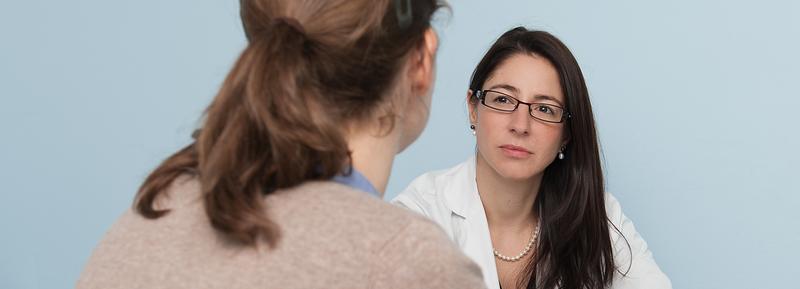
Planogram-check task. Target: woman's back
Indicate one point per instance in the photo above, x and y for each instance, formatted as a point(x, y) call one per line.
point(332, 236)
point(323, 91)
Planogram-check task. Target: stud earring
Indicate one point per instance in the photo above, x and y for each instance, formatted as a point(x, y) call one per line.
point(472, 128)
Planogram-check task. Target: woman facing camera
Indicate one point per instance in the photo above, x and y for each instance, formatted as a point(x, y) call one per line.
point(530, 206)
point(281, 187)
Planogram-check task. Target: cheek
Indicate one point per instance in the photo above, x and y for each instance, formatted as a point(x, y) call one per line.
point(413, 121)
point(548, 138)
point(488, 130)
point(551, 136)
point(413, 126)
point(544, 139)
point(419, 112)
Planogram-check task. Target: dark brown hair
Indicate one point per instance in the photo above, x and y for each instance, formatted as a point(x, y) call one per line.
point(310, 68)
point(574, 249)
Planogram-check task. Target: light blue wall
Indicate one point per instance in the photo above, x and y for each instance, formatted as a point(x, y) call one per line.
point(695, 101)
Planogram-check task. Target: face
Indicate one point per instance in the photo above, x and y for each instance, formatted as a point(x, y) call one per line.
point(514, 144)
point(420, 79)
point(415, 119)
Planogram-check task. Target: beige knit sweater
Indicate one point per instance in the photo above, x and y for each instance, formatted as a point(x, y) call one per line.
point(332, 236)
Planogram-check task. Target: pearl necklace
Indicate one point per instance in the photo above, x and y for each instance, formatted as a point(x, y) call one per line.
point(524, 252)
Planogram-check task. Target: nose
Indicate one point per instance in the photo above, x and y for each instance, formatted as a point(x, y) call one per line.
point(520, 121)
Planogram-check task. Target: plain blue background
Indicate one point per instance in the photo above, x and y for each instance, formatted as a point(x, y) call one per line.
point(696, 104)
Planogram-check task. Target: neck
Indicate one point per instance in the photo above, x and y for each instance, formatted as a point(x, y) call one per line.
point(508, 203)
point(372, 156)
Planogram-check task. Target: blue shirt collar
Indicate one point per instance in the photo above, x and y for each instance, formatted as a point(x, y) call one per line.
point(357, 181)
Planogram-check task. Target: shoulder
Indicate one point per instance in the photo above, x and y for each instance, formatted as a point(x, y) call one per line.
point(334, 200)
point(421, 256)
point(632, 255)
point(429, 183)
point(431, 188)
point(342, 212)
point(126, 250)
point(621, 228)
point(613, 208)
point(405, 249)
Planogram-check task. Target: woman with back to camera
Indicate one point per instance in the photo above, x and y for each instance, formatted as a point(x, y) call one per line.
point(281, 188)
point(530, 206)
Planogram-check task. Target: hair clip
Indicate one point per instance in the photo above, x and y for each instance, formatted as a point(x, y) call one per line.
point(403, 10)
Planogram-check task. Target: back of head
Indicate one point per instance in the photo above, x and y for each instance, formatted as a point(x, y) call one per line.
point(310, 69)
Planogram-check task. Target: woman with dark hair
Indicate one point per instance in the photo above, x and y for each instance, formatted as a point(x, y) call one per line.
point(282, 186)
point(530, 206)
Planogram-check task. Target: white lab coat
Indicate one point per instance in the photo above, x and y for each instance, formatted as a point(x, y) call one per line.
point(450, 198)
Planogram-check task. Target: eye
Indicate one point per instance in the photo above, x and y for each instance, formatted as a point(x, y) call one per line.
point(545, 109)
point(501, 99)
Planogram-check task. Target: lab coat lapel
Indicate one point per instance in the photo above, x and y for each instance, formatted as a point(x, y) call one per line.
point(472, 233)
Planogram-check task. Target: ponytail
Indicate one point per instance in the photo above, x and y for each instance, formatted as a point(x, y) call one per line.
point(280, 116)
point(244, 151)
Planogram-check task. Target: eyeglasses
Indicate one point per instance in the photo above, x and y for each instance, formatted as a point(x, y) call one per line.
point(505, 103)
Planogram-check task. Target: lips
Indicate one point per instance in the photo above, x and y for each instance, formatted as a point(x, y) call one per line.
point(515, 151)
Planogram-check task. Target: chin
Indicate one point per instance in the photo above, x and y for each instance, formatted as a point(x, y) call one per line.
point(514, 170)
point(515, 175)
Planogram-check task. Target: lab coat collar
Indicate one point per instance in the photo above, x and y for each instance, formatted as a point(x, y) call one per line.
point(462, 198)
point(462, 193)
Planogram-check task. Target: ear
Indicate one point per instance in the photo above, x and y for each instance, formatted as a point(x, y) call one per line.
point(472, 107)
point(422, 67)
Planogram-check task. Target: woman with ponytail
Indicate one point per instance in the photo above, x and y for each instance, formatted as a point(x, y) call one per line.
point(281, 186)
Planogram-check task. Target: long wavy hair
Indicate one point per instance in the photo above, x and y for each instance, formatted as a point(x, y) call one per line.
point(574, 249)
point(309, 69)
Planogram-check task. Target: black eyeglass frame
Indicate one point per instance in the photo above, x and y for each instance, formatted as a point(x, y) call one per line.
point(481, 94)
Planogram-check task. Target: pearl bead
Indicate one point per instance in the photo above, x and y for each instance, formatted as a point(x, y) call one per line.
point(524, 252)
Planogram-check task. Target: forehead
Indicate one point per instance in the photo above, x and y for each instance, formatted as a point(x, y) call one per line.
point(531, 74)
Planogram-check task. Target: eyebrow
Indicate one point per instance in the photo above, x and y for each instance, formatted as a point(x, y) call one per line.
point(547, 97)
point(515, 90)
point(506, 87)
